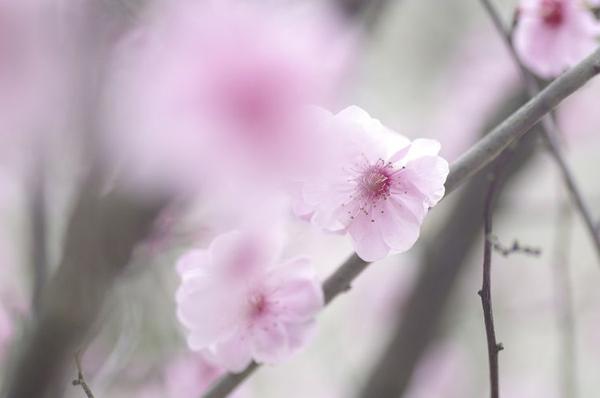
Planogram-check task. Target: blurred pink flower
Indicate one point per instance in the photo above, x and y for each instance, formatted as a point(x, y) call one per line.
point(552, 35)
point(240, 303)
point(218, 86)
point(378, 188)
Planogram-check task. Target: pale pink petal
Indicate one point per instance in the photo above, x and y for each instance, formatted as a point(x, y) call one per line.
point(367, 239)
point(428, 174)
point(232, 353)
point(207, 308)
point(299, 334)
point(296, 295)
point(269, 342)
point(399, 226)
point(192, 260)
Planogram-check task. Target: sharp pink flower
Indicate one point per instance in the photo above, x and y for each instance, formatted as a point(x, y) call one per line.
point(240, 303)
point(379, 186)
point(552, 35)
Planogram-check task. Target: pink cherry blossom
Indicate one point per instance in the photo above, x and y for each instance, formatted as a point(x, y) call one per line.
point(379, 186)
point(220, 85)
point(552, 35)
point(239, 302)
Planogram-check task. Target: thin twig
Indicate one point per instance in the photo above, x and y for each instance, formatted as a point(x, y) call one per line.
point(516, 247)
point(463, 169)
point(80, 380)
point(486, 290)
point(550, 130)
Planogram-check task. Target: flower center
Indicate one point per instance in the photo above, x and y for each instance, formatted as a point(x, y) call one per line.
point(375, 182)
point(552, 12)
point(258, 304)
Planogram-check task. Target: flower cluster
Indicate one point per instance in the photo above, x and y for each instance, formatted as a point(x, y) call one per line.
point(552, 35)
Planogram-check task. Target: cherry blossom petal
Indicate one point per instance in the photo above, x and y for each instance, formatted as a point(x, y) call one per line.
point(367, 239)
point(269, 342)
point(232, 353)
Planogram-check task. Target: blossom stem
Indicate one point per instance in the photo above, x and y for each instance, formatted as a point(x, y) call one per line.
point(462, 170)
point(549, 128)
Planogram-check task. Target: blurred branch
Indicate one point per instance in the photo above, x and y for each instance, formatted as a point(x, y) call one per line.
point(102, 234)
point(80, 380)
point(486, 286)
point(550, 130)
point(369, 11)
point(564, 302)
point(445, 255)
point(472, 161)
point(38, 246)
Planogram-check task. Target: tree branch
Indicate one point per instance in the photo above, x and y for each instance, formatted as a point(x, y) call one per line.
point(550, 130)
point(101, 236)
point(80, 380)
point(470, 163)
point(38, 246)
point(486, 287)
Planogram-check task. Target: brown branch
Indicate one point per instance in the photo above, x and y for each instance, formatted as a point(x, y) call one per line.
point(486, 288)
point(80, 380)
point(550, 130)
